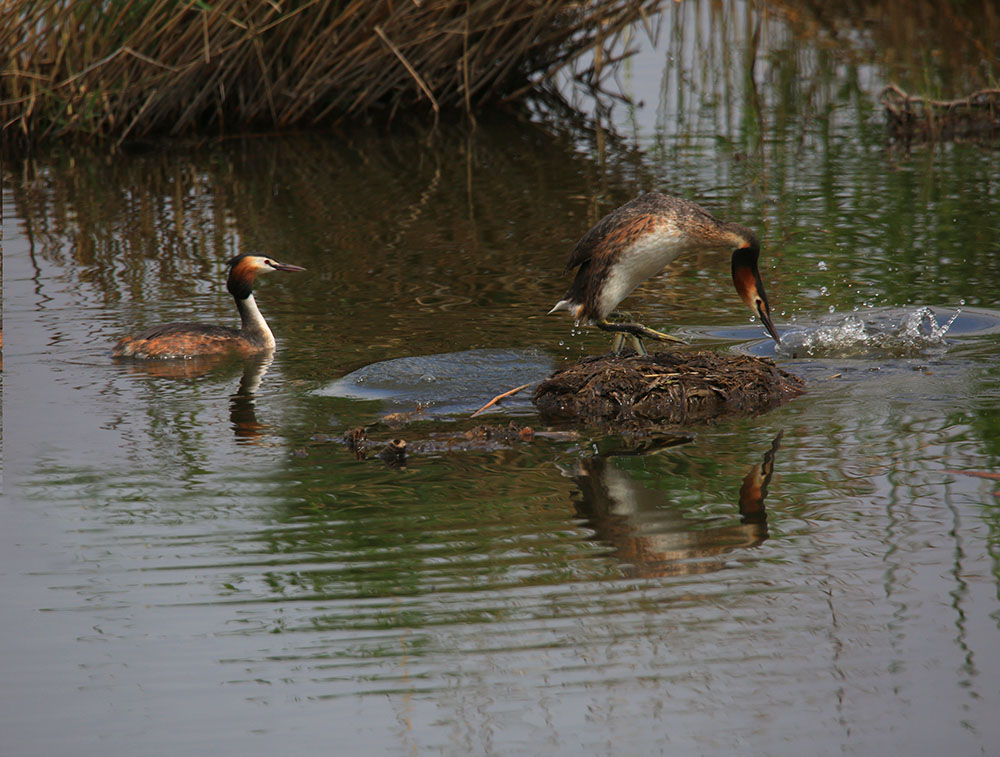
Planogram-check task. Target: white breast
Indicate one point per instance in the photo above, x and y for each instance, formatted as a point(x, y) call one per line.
point(645, 257)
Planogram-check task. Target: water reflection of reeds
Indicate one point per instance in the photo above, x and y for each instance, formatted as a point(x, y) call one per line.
point(407, 226)
point(948, 48)
point(412, 235)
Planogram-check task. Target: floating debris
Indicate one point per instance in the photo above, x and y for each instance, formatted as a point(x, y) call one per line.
point(356, 440)
point(393, 454)
point(922, 118)
point(676, 387)
point(398, 420)
point(508, 434)
point(482, 438)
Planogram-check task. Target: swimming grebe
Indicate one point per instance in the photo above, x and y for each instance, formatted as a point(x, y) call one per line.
point(637, 240)
point(175, 340)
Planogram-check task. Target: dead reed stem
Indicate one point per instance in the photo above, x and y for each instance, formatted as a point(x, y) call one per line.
point(142, 67)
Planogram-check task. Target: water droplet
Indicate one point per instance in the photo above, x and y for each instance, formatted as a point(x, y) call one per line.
point(821, 265)
point(824, 291)
point(832, 308)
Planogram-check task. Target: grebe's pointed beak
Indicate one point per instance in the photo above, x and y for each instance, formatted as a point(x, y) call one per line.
point(284, 266)
point(765, 317)
point(746, 277)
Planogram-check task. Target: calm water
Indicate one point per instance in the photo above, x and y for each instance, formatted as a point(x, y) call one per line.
point(192, 560)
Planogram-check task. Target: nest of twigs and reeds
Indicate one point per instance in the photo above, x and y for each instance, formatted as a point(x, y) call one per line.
point(142, 67)
point(667, 388)
point(914, 117)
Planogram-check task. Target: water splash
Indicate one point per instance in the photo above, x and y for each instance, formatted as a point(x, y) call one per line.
point(884, 333)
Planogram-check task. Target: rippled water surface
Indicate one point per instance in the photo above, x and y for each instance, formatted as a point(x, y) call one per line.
point(194, 561)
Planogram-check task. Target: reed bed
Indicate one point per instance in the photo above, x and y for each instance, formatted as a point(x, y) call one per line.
point(132, 68)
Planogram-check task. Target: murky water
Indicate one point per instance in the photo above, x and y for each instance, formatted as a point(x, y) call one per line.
point(193, 560)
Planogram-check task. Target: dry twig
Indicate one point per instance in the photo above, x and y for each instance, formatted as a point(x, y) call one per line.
point(499, 397)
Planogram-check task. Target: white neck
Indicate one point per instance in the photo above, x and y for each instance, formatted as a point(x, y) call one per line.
point(254, 326)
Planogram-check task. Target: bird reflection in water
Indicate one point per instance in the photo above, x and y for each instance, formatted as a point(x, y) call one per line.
point(242, 404)
point(654, 540)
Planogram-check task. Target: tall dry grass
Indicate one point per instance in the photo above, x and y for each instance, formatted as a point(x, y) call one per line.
point(121, 68)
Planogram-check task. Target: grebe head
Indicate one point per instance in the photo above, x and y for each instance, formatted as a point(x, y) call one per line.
point(243, 270)
point(747, 280)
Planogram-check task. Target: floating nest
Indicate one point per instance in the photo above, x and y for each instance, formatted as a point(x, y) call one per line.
point(671, 388)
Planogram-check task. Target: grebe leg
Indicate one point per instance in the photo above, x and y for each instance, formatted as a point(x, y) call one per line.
point(618, 344)
point(640, 348)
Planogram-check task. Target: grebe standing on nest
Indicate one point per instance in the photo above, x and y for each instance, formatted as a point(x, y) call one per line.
point(177, 340)
point(637, 240)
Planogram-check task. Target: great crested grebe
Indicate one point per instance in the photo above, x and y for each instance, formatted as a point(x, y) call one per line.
point(176, 340)
point(637, 240)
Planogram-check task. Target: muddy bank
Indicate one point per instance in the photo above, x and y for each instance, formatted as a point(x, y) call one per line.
point(675, 388)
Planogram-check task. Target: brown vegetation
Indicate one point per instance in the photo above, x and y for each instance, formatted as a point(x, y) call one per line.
point(917, 117)
point(138, 67)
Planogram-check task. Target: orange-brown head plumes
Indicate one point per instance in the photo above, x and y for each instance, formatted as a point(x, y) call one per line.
point(746, 277)
point(243, 270)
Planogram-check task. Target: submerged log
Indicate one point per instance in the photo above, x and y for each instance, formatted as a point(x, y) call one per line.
point(676, 387)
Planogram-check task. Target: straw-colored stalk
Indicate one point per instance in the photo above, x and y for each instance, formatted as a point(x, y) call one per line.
point(139, 67)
